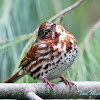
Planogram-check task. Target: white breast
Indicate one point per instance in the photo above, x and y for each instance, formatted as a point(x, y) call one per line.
point(65, 61)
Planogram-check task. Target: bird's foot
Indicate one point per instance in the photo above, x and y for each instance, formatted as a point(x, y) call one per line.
point(66, 81)
point(49, 83)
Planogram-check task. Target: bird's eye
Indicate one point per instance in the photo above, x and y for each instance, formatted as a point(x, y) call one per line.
point(45, 32)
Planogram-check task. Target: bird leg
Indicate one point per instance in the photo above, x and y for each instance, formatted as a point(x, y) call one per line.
point(49, 83)
point(66, 81)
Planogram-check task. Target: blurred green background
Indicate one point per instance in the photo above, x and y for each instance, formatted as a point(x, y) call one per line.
point(19, 18)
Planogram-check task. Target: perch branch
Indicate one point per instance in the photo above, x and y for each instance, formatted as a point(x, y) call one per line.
point(33, 91)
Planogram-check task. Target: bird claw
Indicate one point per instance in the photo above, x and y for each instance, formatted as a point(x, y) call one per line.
point(66, 81)
point(49, 83)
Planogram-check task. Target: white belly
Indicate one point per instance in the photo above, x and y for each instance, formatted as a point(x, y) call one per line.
point(57, 69)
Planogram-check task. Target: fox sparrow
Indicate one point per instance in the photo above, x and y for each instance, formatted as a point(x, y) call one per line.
point(53, 52)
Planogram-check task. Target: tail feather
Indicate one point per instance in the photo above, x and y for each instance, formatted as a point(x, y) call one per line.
point(13, 78)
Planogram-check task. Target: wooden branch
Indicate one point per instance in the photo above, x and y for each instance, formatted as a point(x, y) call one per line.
point(86, 90)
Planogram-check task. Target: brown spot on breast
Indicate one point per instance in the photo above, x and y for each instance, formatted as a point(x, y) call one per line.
point(57, 35)
point(59, 53)
point(56, 41)
point(69, 44)
point(46, 72)
point(51, 50)
point(62, 63)
point(38, 76)
point(69, 49)
point(53, 64)
point(46, 67)
point(42, 74)
point(60, 57)
point(45, 60)
point(52, 57)
point(40, 61)
point(35, 71)
point(75, 50)
point(44, 54)
point(35, 64)
point(65, 54)
point(31, 67)
point(58, 61)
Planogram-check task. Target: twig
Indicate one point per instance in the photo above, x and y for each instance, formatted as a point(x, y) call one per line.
point(66, 10)
point(60, 20)
point(55, 17)
point(83, 90)
point(91, 32)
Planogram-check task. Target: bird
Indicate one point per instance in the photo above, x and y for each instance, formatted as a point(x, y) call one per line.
point(53, 52)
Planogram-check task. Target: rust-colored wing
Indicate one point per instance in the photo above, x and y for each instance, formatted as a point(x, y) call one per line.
point(30, 56)
point(38, 49)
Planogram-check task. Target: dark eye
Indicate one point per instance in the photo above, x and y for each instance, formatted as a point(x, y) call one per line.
point(46, 32)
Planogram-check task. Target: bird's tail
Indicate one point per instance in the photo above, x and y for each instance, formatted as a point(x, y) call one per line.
point(14, 77)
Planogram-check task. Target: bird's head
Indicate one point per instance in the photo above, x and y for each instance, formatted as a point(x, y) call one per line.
point(49, 30)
